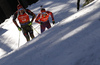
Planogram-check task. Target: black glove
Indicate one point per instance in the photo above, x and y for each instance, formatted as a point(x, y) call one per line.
point(53, 22)
point(41, 23)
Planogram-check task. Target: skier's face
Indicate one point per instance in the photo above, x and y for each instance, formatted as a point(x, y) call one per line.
point(44, 14)
point(21, 11)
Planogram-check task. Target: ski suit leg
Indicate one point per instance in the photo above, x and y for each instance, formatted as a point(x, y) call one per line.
point(25, 32)
point(31, 34)
point(47, 24)
point(30, 30)
point(42, 27)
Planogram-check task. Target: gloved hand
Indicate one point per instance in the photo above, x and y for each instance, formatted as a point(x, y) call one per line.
point(19, 28)
point(53, 22)
point(30, 24)
point(41, 23)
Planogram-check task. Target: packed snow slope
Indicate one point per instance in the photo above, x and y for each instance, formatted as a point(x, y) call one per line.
point(75, 40)
point(11, 38)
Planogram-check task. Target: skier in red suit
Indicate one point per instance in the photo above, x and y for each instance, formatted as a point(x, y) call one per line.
point(43, 19)
point(25, 24)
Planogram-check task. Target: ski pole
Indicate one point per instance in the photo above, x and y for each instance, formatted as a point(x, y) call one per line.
point(37, 26)
point(36, 30)
point(19, 39)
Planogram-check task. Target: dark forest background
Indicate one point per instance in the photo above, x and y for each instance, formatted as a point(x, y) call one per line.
point(8, 7)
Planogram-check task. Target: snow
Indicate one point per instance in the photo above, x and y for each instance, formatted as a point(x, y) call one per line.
point(73, 40)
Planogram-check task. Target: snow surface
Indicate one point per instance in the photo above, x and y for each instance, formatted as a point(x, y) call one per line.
point(73, 40)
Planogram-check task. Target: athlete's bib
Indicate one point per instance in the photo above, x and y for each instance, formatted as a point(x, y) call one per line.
point(23, 18)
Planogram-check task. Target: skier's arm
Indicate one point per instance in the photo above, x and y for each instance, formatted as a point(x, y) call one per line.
point(50, 13)
point(14, 19)
point(31, 13)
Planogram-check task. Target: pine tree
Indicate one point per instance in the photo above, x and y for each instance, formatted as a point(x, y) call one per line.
point(87, 2)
